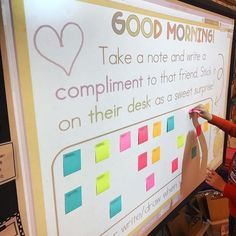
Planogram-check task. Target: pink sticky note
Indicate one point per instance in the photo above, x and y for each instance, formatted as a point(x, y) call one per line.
point(142, 161)
point(175, 165)
point(150, 181)
point(198, 130)
point(142, 134)
point(125, 141)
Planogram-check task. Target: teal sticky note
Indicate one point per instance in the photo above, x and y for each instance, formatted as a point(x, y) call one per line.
point(115, 206)
point(170, 123)
point(73, 200)
point(194, 152)
point(71, 162)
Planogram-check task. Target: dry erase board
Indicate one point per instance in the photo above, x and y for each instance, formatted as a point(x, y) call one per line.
point(109, 85)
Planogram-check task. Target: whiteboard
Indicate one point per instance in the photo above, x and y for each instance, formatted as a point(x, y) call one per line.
point(112, 83)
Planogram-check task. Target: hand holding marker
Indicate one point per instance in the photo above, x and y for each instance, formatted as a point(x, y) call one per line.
point(212, 178)
point(201, 111)
point(194, 110)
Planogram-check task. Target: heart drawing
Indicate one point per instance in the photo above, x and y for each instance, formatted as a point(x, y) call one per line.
point(63, 47)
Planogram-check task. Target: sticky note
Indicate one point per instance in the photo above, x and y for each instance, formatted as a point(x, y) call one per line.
point(194, 152)
point(125, 141)
point(198, 130)
point(103, 182)
point(156, 155)
point(174, 165)
point(142, 161)
point(205, 126)
point(115, 206)
point(207, 106)
point(73, 200)
point(150, 181)
point(71, 162)
point(142, 134)
point(170, 123)
point(156, 129)
point(102, 151)
point(180, 141)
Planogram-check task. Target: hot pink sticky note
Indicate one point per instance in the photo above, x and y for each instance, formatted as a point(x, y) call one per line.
point(198, 130)
point(125, 141)
point(142, 161)
point(175, 165)
point(142, 134)
point(150, 181)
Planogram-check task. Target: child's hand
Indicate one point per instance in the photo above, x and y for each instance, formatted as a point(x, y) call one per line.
point(194, 117)
point(203, 112)
point(215, 180)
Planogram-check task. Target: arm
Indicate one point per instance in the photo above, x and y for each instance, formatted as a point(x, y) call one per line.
point(230, 187)
point(216, 181)
point(202, 142)
point(225, 125)
point(230, 191)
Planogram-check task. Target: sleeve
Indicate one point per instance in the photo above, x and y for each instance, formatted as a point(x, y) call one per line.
point(225, 125)
point(230, 191)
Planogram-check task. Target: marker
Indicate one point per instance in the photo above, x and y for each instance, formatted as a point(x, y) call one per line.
point(194, 110)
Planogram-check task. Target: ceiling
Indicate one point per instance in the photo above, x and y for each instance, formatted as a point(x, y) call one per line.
point(227, 3)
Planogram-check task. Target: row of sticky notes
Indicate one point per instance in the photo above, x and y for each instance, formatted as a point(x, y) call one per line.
point(143, 131)
point(72, 160)
point(103, 148)
point(103, 181)
point(142, 158)
point(73, 200)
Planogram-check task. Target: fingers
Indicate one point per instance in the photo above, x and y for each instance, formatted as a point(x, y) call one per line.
point(194, 116)
point(215, 180)
point(197, 111)
point(211, 176)
point(211, 172)
point(200, 107)
point(203, 112)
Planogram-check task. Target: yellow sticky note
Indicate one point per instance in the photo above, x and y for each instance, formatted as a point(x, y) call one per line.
point(156, 129)
point(207, 106)
point(103, 182)
point(156, 155)
point(180, 141)
point(102, 151)
point(205, 126)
